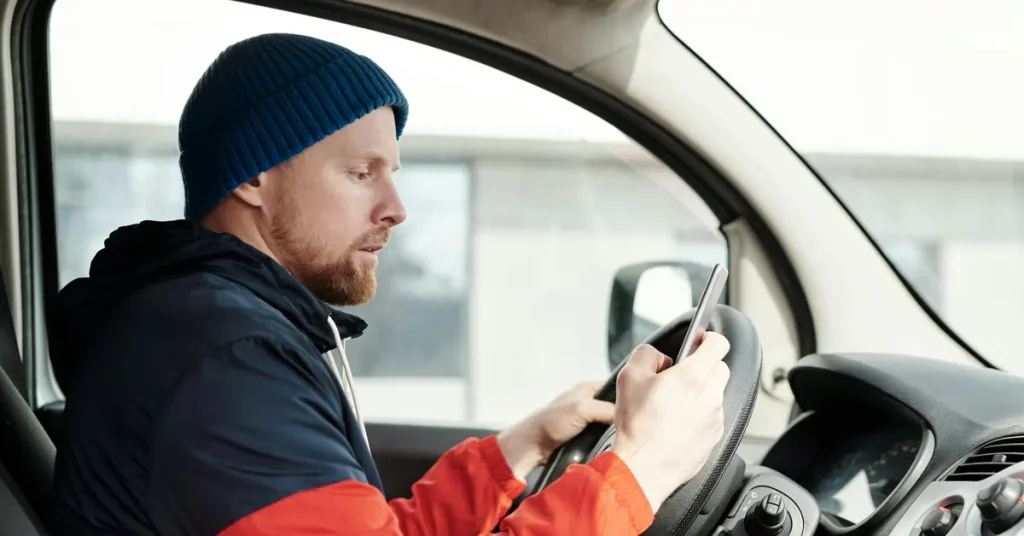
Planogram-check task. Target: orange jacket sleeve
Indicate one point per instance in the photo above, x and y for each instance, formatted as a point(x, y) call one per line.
point(466, 492)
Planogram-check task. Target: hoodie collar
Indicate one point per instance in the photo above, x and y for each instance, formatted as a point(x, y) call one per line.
point(140, 255)
point(272, 283)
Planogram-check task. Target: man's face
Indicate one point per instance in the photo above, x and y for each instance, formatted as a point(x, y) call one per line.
point(332, 207)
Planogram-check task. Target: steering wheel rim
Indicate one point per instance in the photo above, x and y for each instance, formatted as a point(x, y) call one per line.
point(679, 511)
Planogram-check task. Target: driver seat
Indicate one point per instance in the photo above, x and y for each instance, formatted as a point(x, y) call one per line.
point(26, 452)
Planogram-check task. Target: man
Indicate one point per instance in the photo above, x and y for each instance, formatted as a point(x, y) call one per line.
point(207, 382)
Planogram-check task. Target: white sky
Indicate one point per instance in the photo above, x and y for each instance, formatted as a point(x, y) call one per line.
point(886, 76)
point(939, 77)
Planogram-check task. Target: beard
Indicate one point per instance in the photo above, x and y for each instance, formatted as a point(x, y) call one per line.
point(338, 278)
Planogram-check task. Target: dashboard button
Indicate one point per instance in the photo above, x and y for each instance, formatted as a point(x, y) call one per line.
point(937, 522)
point(768, 517)
point(1001, 505)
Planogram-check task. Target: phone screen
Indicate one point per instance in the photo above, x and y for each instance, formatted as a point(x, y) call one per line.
point(705, 309)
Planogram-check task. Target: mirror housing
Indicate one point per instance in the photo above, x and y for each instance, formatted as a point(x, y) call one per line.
point(666, 289)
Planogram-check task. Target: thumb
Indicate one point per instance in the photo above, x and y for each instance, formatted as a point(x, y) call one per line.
point(646, 360)
point(594, 410)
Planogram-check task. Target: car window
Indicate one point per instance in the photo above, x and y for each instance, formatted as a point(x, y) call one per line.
point(493, 295)
point(911, 112)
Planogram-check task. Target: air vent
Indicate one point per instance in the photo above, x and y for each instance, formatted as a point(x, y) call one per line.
point(988, 460)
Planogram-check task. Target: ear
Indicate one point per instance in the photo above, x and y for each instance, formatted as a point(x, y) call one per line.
point(253, 192)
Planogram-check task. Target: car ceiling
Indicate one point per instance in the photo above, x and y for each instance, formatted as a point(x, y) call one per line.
point(568, 34)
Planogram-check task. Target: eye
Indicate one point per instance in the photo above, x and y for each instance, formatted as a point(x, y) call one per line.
point(361, 175)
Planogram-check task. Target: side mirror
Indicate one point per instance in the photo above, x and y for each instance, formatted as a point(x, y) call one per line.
point(647, 295)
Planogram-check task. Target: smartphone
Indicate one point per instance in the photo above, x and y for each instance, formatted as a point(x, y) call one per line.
point(705, 309)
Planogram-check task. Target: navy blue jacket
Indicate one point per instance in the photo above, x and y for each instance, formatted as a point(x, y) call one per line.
point(174, 353)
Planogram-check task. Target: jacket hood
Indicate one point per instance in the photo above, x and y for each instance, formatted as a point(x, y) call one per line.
point(140, 255)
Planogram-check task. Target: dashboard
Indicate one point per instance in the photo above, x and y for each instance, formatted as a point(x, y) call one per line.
point(850, 463)
point(890, 444)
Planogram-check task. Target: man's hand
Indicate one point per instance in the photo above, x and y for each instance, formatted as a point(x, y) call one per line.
point(669, 419)
point(529, 443)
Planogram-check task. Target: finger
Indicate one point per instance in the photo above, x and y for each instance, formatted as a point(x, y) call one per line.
point(594, 410)
point(719, 378)
point(590, 389)
point(702, 361)
point(580, 391)
point(645, 360)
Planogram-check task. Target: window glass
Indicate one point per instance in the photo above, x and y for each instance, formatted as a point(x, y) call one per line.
point(911, 111)
point(423, 291)
point(493, 295)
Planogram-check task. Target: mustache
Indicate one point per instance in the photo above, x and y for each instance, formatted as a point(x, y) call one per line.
point(374, 238)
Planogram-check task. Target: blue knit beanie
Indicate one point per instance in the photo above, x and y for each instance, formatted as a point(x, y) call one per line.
point(267, 99)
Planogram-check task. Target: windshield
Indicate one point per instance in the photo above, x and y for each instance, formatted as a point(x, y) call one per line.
point(913, 113)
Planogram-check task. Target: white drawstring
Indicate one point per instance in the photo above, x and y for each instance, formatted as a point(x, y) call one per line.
point(345, 375)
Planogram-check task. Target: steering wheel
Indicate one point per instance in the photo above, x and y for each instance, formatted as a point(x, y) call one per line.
point(744, 359)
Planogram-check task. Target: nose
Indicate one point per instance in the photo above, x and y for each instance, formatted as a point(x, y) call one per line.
point(390, 210)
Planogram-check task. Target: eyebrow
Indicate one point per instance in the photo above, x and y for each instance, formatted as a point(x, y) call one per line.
point(374, 156)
